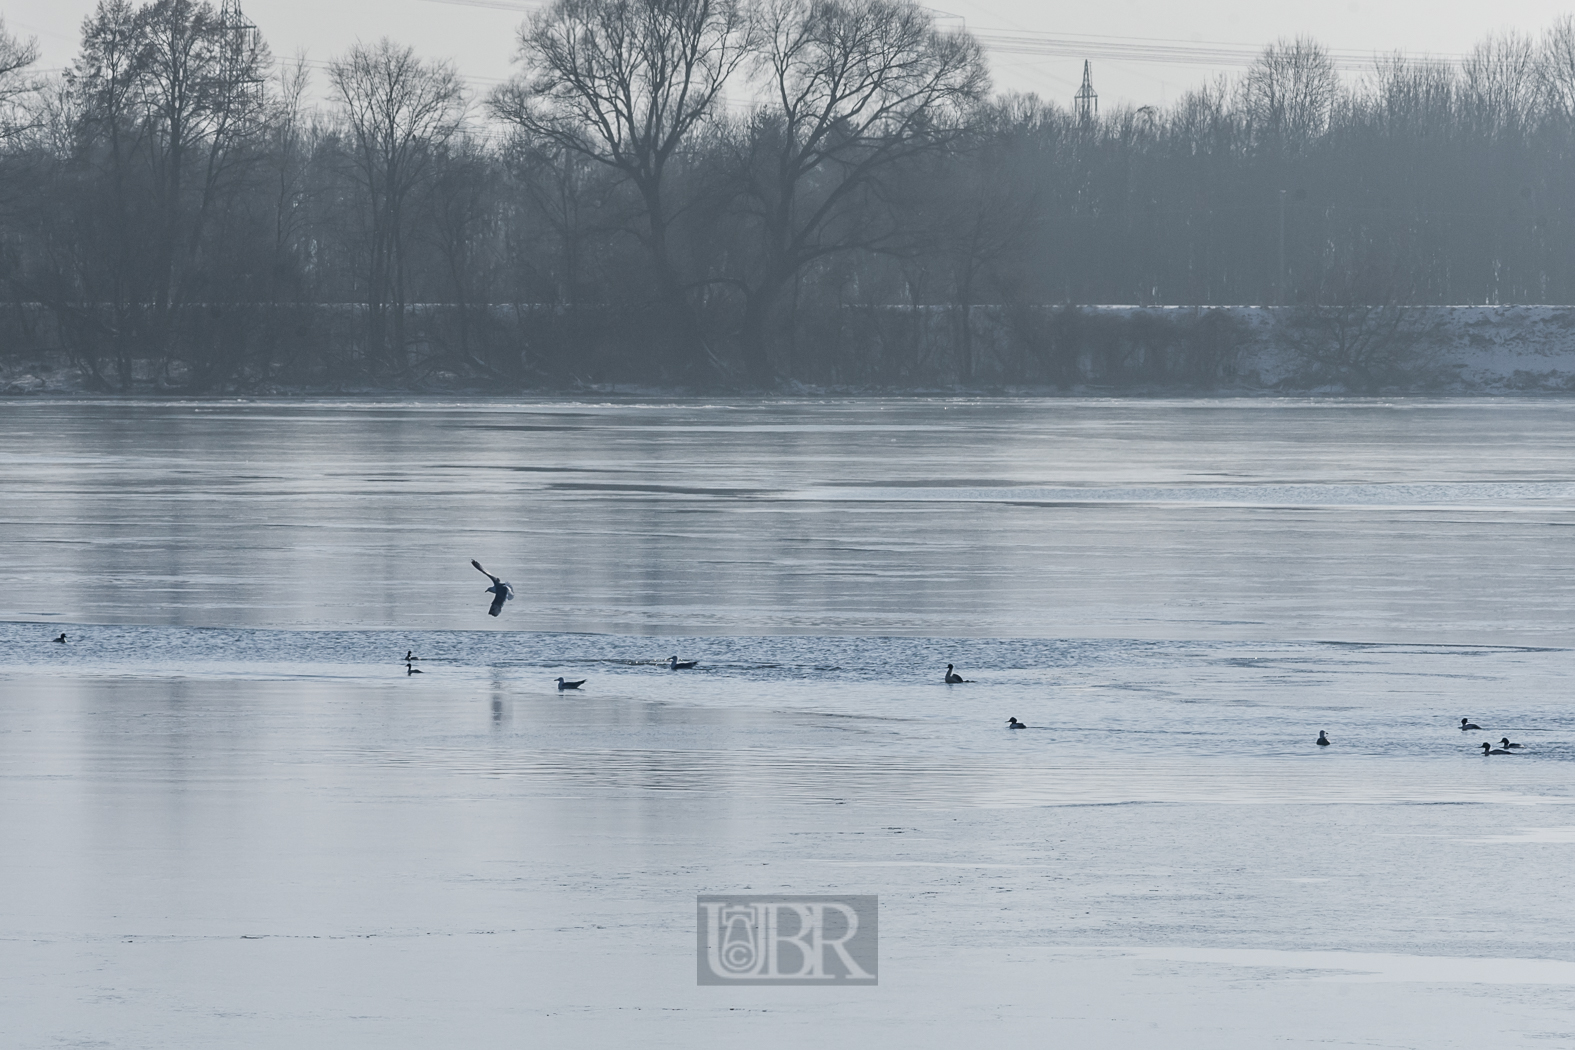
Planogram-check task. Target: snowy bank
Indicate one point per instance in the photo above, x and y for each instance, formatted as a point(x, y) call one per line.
point(1027, 349)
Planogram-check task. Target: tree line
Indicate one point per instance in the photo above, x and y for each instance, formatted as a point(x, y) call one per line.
point(734, 193)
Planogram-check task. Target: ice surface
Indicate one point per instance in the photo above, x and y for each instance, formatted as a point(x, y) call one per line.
point(1436, 521)
point(227, 824)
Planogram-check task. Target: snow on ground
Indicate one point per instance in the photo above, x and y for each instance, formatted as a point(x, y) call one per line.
point(1461, 350)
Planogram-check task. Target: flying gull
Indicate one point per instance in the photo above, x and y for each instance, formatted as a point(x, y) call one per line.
point(500, 591)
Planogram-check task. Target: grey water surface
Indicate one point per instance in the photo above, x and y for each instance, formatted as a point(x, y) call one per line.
point(1363, 521)
point(232, 817)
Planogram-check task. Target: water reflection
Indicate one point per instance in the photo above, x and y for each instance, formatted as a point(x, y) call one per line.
point(1442, 521)
point(498, 707)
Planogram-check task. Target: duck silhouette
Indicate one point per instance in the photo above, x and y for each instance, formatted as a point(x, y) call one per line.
point(412, 670)
point(410, 654)
point(500, 591)
point(675, 664)
point(1466, 723)
point(562, 685)
point(1323, 738)
point(1489, 749)
point(1505, 743)
point(953, 678)
point(62, 638)
point(1013, 723)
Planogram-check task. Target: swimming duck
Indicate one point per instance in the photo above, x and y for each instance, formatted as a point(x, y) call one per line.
point(562, 685)
point(1466, 723)
point(410, 654)
point(952, 678)
point(413, 670)
point(1013, 723)
point(1323, 738)
point(1506, 743)
point(675, 664)
point(500, 591)
point(62, 638)
point(1489, 749)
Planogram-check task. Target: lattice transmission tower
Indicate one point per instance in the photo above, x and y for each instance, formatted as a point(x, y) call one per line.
point(242, 42)
point(1086, 102)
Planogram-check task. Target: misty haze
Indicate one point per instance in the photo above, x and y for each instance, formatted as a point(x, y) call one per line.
point(755, 497)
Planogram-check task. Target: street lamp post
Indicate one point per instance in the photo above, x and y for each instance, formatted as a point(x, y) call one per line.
point(1280, 293)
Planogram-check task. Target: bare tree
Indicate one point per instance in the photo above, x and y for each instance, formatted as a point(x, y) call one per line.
point(1555, 63)
point(980, 206)
point(1499, 85)
point(1289, 92)
point(458, 207)
point(15, 56)
point(100, 105)
point(400, 112)
point(200, 91)
point(17, 117)
point(1360, 346)
point(1359, 331)
point(1405, 98)
point(626, 83)
point(292, 129)
point(854, 87)
point(568, 191)
point(164, 103)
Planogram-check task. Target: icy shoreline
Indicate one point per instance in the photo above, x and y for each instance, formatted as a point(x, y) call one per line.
point(1260, 350)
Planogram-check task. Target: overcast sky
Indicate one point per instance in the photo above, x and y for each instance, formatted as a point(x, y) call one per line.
point(1123, 38)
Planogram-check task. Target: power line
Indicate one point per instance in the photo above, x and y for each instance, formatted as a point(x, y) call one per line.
point(327, 66)
point(1154, 49)
point(1106, 47)
point(521, 6)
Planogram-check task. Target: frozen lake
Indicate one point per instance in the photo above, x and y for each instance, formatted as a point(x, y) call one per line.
point(232, 819)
